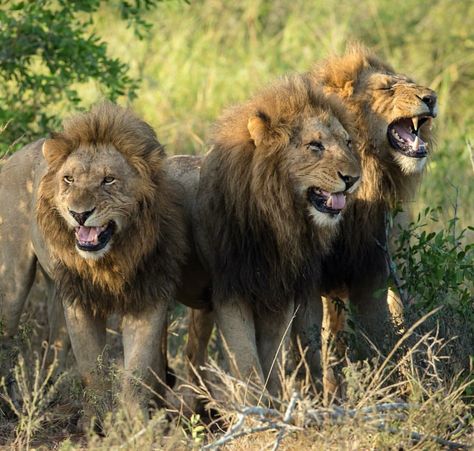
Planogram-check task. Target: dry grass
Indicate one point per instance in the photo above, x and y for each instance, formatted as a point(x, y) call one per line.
point(199, 58)
point(410, 403)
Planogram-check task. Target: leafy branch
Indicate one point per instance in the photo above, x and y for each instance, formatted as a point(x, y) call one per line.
point(47, 49)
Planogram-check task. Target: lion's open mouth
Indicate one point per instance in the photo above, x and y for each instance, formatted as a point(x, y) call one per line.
point(93, 239)
point(331, 203)
point(403, 135)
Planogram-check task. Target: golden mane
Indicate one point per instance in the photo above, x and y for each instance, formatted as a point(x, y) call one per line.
point(345, 76)
point(343, 72)
point(264, 245)
point(357, 249)
point(144, 262)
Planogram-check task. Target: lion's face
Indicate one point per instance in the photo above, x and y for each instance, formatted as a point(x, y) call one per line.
point(321, 165)
point(96, 192)
point(323, 168)
point(400, 115)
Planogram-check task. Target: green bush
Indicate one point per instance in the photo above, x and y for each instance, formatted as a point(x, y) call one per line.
point(437, 267)
point(47, 49)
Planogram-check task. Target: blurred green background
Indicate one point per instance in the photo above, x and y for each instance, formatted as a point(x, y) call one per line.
point(198, 57)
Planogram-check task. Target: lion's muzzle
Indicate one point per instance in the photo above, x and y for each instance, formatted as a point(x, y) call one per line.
point(404, 136)
point(81, 218)
point(404, 133)
point(349, 180)
point(325, 202)
point(92, 239)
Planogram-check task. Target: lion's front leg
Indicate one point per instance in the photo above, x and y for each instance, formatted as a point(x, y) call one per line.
point(235, 319)
point(58, 339)
point(307, 333)
point(144, 358)
point(372, 315)
point(88, 337)
point(273, 333)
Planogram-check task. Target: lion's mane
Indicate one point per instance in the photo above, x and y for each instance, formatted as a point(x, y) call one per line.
point(345, 75)
point(264, 247)
point(143, 265)
point(357, 251)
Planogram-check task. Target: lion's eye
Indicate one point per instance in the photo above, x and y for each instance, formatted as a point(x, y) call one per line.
point(315, 146)
point(68, 179)
point(108, 180)
point(349, 143)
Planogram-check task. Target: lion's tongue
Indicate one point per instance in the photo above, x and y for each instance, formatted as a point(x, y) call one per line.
point(403, 130)
point(336, 201)
point(88, 234)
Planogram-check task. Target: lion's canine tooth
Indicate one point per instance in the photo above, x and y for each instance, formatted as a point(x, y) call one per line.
point(415, 123)
point(416, 143)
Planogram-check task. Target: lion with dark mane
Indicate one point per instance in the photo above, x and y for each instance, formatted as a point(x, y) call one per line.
point(393, 118)
point(94, 208)
point(270, 198)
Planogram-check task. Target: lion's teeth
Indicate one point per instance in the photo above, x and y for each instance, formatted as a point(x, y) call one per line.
point(415, 123)
point(416, 143)
point(394, 133)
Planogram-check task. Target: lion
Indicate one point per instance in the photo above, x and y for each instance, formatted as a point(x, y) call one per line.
point(271, 194)
point(393, 119)
point(94, 209)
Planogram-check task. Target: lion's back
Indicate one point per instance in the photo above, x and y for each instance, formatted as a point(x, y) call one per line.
point(19, 176)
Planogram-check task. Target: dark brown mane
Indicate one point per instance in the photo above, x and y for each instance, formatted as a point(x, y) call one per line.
point(264, 245)
point(143, 264)
point(355, 252)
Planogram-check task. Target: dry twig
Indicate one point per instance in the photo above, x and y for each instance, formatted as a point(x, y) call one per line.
point(375, 416)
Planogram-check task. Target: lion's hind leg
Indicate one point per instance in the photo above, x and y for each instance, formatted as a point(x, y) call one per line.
point(200, 327)
point(16, 279)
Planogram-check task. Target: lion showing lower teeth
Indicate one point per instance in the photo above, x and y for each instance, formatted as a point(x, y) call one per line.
point(406, 137)
point(105, 164)
point(89, 235)
point(393, 122)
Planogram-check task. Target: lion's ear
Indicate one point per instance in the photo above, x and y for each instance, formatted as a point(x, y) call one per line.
point(258, 128)
point(55, 149)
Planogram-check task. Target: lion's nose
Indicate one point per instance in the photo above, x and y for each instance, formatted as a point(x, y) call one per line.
point(81, 217)
point(430, 101)
point(349, 180)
